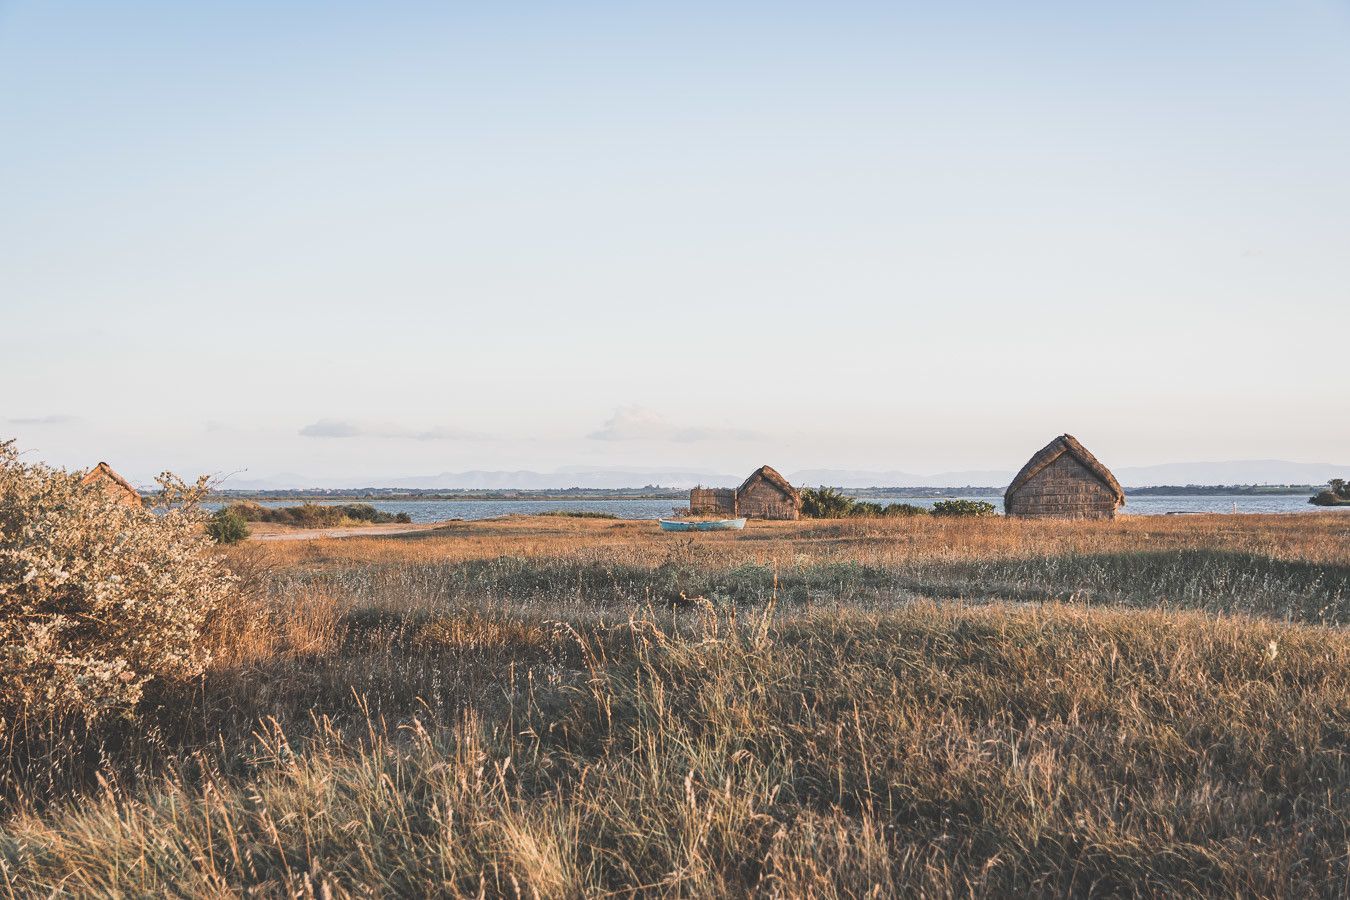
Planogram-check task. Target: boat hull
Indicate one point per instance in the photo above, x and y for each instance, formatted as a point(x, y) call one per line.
point(713, 525)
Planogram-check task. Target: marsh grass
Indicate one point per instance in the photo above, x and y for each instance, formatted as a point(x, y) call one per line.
point(825, 714)
point(1213, 581)
point(933, 749)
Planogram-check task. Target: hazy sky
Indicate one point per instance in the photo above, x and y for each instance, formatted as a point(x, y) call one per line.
point(401, 238)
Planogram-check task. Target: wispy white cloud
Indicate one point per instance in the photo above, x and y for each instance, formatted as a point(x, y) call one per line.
point(346, 428)
point(637, 423)
point(44, 420)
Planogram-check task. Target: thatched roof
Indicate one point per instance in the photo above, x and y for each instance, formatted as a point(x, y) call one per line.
point(1066, 443)
point(111, 480)
point(768, 474)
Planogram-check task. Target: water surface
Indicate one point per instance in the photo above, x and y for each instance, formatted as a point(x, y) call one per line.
point(440, 510)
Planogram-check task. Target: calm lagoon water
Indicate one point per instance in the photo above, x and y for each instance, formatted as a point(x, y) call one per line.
point(439, 510)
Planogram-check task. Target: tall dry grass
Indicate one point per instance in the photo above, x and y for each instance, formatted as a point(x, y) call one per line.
point(568, 708)
point(936, 750)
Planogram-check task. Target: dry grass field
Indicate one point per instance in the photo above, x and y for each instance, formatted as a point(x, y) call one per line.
point(552, 707)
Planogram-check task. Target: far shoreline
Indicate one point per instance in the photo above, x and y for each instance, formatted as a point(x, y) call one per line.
point(388, 495)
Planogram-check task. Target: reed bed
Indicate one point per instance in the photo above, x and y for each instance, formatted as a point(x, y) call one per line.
point(1309, 537)
point(573, 708)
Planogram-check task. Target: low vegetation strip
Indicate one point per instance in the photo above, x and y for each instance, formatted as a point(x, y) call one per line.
point(316, 515)
point(832, 503)
point(1210, 581)
point(934, 749)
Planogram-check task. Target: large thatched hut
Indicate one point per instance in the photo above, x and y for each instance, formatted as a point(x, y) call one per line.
point(767, 495)
point(1064, 481)
point(113, 485)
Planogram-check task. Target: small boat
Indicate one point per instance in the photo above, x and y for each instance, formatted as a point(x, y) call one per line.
point(709, 525)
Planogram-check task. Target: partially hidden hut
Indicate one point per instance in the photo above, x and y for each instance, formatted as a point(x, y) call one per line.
point(764, 495)
point(113, 485)
point(1064, 481)
point(712, 501)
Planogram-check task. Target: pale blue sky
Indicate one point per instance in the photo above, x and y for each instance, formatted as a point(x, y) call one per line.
point(401, 238)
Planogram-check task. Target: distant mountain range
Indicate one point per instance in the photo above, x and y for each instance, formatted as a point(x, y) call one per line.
point(1254, 471)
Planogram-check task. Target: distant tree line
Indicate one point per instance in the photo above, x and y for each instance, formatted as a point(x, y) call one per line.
point(314, 515)
point(1220, 490)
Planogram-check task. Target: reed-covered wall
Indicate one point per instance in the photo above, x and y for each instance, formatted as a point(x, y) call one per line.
point(1063, 480)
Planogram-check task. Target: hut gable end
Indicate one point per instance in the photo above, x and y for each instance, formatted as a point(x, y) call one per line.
point(113, 485)
point(768, 495)
point(1064, 480)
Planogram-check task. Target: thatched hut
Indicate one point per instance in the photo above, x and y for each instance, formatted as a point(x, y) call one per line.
point(113, 485)
point(767, 495)
point(712, 501)
point(1064, 481)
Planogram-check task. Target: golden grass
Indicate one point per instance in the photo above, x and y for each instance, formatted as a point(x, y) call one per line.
point(934, 750)
point(1308, 537)
point(529, 708)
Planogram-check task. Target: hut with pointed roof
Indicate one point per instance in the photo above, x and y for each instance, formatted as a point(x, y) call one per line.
point(1064, 481)
point(767, 495)
point(113, 485)
point(764, 495)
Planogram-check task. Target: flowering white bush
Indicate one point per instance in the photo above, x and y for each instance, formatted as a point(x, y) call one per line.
point(96, 597)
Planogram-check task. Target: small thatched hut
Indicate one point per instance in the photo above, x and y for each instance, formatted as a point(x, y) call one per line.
point(113, 485)
point(767, 495)
point(712, 501)
point(1064, 481)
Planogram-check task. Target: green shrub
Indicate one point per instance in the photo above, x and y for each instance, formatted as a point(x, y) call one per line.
point(825, 503)
point(227, 526)
point(863, 509)
point(963, 508)
point(903, 510)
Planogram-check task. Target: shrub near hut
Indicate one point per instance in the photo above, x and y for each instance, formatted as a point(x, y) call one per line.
point(832, 503)
point(97, 596)
point(959, 508)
